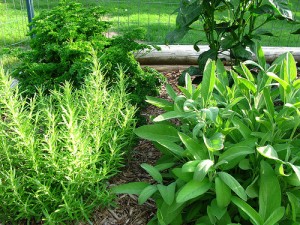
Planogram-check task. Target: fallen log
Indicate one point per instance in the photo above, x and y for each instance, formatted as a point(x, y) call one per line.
point(186, 55)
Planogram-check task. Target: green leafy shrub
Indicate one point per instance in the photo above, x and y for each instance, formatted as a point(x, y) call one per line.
point(58, 151)
point(229, 25)
point(62, 40)
point(233, 155)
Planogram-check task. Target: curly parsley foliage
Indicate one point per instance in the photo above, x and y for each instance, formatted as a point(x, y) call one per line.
point(63, 39)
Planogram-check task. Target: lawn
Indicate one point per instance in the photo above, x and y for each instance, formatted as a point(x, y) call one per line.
point(155, 16)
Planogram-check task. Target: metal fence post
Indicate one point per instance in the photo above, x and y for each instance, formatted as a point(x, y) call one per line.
point(30, 11)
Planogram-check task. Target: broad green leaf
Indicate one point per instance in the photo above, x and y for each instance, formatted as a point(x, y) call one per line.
point(168, 115)
point(247, 73)
point(282, 8)
point(193, 189)
point(293, 180)
point(269, 191)
point(276, 64)
point(234, 102)
point(163, 149)
point(190, 106)
point(221, 73)
point(157, 132)
point(168, 213)
point(284, 76)
point(204, 220)
point(248, 84)
point(153, 221)
point(205, 57)
point(185, 176)
point(255, 217)
point(160, 217)
point(226, 219)
point(196, 149)
point(234, 154)
point(282, 82)
point(243, 129)
point(202, 169)
point(295, 205)
point(215, 142)
point(276, 216)
point(296, 84)
point(268, 152)
point(193, 211)
point(179, 103)
point(297, 104)
point(211, 113)
point(130, 188)
point(197, 130)
point(153, 172)
point(171, 92)
point(216, 210)
point(223, 193)
point(263, 32)
point(244, 164)
point(208, 81)
point(296, 170)
point(146, 194)
point(268, 101)
point(188, 13)
point(239, 52)
point(253, 189)
point(211, 215)
point(233, 184)
point(192, 71)
point(188, 84)
point(263, 136)
point(227, 41)
point(190, 166)
point(185, 92)
point(167, 192)
point(160, 103)
point(164, 166)
point(222, 90)
point(260, 56)
point(172, 147)
point(291, 68)
point(197, 92)
point(251, 62)
point(178, 220)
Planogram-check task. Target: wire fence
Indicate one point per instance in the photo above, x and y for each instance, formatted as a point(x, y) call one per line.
point(154, 15)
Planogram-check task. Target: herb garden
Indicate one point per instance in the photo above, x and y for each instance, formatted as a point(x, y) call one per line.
point(90, 136)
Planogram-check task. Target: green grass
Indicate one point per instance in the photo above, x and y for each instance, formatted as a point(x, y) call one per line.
point(155, 16)
point(13, 24)
point(57, 152)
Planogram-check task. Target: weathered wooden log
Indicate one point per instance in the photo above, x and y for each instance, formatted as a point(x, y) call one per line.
point(167, 68)
point(186, 55)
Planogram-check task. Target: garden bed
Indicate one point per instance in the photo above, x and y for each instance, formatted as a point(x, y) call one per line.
point(127, 210)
